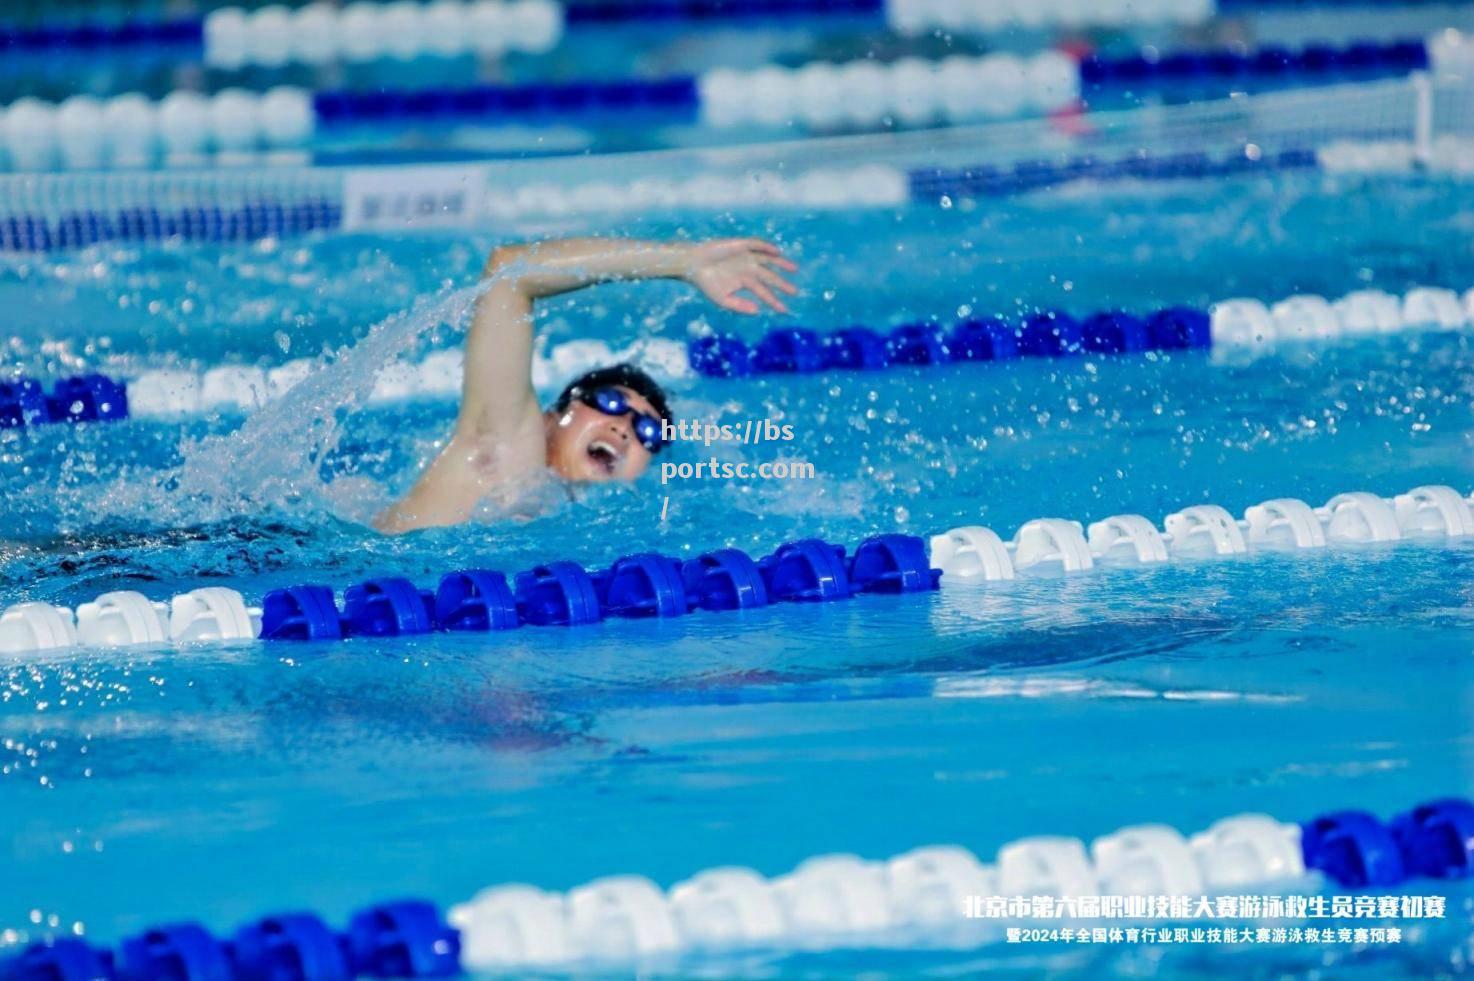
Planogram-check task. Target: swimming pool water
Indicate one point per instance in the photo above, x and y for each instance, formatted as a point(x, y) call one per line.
point(223, 783)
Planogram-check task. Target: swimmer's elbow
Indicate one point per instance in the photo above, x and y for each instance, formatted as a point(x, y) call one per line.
point(502, 257)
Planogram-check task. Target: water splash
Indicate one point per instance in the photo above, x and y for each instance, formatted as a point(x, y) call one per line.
point(273, 463)
point(276, 457)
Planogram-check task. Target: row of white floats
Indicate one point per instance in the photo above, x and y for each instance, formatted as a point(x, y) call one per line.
point(920, 16)
point(174, 392)
point(1248, 323)
point(1203, 530)
point(1448, 154)
point(319, 33)
point(971, 553)
point(125, 618)
point(913, 90)
point(133, 131)
point(840, 900)
point(869, 186)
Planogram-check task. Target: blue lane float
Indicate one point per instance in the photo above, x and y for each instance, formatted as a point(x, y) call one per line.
point(855, 349)
point(558, 594)
point(405, 939)
point(179, 950)
point(476, 599)
point(1050, 334)
point(806, 571)
point(306, 612)
point(1353, 849)
point(1437, 839)
point(294, 945)
point(727, 579)
point(410, 938)
point(1115, 332)
point(917, 344)
point(893, 564)
point(387, 607)
point(993, 339)
point(644, 585)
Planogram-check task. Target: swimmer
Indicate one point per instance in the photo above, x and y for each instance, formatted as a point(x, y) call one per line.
point(607, 424)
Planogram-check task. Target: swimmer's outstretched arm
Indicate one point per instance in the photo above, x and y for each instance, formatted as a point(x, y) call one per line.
point(499, 435)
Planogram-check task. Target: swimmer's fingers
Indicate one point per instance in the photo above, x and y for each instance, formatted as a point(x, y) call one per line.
point(759, 289)
point(771, 254)
point(735, 303)
point(776, 281)
point(762, 245)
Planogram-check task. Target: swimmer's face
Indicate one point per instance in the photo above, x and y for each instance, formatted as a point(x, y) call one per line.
point(587, 445)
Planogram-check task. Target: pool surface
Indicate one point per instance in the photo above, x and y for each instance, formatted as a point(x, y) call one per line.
point(222, 783)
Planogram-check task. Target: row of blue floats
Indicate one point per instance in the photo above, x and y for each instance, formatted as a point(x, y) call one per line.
point(410, 938)
point(247, 223)
point(1354, 849)
point(1044, 334)
point(86, 398)
point(645, 11)
point(406, 939)
point(60, 36)
point(565, 594)
point(676, 94)
point(932, 184)
point(1358, 58)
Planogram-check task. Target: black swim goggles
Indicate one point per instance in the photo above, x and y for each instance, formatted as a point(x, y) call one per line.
point(612, 402)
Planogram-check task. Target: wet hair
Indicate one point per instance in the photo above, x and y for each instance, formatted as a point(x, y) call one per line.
point(620, 375)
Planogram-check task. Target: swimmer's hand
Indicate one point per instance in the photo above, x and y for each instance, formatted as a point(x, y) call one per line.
point(723, 268)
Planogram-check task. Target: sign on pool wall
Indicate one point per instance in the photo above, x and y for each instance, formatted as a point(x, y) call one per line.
point(417, 197)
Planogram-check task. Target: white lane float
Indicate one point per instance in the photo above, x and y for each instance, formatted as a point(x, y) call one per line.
point(971, 553)
point(1204, 529)
point(1127, 536)
point(1284, 521)
point(29, 627)
point(1052, 543)
point(122, 619)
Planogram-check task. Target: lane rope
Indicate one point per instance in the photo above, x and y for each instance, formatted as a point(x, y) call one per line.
point(1142, 874)
point(1240, 324)
point(649, 584)
point(129, 130)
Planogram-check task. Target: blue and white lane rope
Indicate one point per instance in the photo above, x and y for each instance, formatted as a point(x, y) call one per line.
point(132, 131)
point(649, 584)
point(318, 33)
point(863, 186)
point(1237, 324)
point(848, 188)
point(1144, 874)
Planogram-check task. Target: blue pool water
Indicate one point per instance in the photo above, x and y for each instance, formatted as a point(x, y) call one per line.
point(224, 783)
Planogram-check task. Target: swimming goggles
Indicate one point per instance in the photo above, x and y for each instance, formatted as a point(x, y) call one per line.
point(613, 402)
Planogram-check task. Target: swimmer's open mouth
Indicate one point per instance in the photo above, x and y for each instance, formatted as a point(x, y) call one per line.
point(604, 455)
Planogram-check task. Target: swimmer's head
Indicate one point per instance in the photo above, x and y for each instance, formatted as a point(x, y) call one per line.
point(606, 425)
